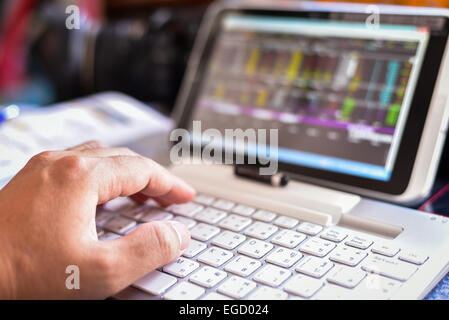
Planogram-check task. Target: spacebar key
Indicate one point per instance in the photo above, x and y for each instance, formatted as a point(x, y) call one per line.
point(155, 282)
point(391, 268)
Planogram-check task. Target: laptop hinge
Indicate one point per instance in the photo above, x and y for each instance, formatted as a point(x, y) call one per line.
point(303, 201)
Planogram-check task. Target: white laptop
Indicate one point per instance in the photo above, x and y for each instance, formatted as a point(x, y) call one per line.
point(360, 102)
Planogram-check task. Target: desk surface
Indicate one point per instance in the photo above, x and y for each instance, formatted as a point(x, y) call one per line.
point(441, 291)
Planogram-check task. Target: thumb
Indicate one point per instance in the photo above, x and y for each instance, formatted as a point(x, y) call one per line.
point(148, 247)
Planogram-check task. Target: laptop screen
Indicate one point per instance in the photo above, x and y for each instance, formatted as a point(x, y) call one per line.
point(339, 92)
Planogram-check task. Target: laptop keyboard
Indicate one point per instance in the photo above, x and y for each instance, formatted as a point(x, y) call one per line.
point(241, 252)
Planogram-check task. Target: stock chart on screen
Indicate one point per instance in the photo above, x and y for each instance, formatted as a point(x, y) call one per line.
point(338, 93)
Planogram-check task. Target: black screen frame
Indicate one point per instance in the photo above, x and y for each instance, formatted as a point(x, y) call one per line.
point(415, 121)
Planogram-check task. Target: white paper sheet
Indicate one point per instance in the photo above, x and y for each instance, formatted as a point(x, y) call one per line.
point(112, 118)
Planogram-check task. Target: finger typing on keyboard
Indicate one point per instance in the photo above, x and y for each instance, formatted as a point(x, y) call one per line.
point(47, 212)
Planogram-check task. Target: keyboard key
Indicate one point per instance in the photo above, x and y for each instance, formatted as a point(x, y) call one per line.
point(185, 209)
point(155, 282)
point(210, 215)
point(376, 287)
point(237, 287)
point(100, 232)
point(156, 214)
point(189, 223)
point(255, 248)
point(151, 203)
point(215, 296)
point(135, 214)
point(215, 256)
point(388, 267)
point(413, 257)
point(317, 247)
point(283, 257)
point(288, 238)
point(267, 293)
point(119, 204)
point(346, 276)
point(303, 286)
point(208, 277)
point(131, 229)
point(309, 228)
point(243, 210)
point(347, 255)
point(385, 249)
point(181, 267)
point(333, 292)
point(261, 230)
point(194, 248)
point(203, 232)
point(228, 240)
point(359, 242)
point(243, 266)
point(266, 216)
point(120, 225)
point(334, 235)
point(314, 267)
point(223, 204)
point(272, 275)
point(235, 222)
point(203, 199)
point(184, 291)
point(109, 236)
point(102, 217)
point(286, 222)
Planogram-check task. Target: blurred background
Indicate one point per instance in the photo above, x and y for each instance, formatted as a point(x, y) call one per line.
point(139, 47)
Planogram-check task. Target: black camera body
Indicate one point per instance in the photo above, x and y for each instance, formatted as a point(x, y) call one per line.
point(143, 56)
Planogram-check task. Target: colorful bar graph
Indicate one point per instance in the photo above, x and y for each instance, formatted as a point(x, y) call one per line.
point(295, 65)
point(393, 68)
point(348, 107)
point(393, 114)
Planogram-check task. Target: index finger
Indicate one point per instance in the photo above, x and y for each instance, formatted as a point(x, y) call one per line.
point(126, 175)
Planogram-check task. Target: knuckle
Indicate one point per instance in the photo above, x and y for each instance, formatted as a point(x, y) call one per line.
point(125, 150)
point(43, 176)
point(43, 157)
point(70, 167)
point(73, 163)
point(94, 144)
point(162, 238)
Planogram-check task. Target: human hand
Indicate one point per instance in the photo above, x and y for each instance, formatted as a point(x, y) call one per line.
point(47, 222)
